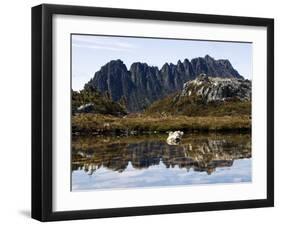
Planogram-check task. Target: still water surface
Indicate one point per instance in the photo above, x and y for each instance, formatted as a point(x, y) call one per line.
point(107, 162)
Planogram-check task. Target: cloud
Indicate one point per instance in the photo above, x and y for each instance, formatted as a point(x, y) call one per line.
point(106, 43)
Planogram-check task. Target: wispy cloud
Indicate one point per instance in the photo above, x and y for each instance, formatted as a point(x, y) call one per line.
point(106, 43)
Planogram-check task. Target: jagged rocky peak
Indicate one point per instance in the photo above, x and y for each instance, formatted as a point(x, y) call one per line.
point(116, 62)
point(143, 84)
point(214, 68)
point(138, 66)
point(165, 67)
point(186, 62)
point(208, 57)
point(180, 66)
point(113, 68)
point(113, 78)
point(217, 89)
point(143, 68)
point(114, 65)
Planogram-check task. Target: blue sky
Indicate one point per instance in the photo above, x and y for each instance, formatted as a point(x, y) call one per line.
point(90, 52)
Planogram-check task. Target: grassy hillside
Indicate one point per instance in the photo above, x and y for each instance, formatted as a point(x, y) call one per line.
point(102, 103)
point(175, 105)
point(191, 112)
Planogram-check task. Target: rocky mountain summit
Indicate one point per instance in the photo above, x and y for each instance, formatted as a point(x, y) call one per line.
point(217, 89)
point(142, 84)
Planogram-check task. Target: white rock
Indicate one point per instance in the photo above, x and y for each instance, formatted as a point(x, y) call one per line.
point(86, 108)
point(174, 137)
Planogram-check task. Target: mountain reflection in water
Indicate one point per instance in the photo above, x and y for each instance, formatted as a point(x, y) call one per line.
point(106, 158)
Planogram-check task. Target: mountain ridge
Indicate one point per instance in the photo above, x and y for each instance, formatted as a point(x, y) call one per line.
point(141, 84)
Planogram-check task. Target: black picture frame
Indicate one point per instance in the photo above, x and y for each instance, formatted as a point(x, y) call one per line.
point(42, 111)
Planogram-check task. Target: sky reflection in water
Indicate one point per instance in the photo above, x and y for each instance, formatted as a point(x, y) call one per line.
point(148, 161)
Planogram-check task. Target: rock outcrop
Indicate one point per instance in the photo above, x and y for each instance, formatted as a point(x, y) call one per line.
point(207, 96)
point(86, 108)
point(217, 89)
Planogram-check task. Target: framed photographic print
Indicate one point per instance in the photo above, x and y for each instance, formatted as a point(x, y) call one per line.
point(145, 112)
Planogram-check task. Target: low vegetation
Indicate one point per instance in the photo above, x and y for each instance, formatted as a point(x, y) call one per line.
point(202, 105)
point(173, 105)
point(138, 123)
point(102, 103)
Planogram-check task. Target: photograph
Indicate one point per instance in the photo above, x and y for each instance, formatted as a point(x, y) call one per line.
point(156, 112)
point(145, 112)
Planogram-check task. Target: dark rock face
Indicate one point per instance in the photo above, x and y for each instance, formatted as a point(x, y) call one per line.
point(114, 78)
point(147, 86)
point(217, 89)
point(144, 84)
point(214, 68)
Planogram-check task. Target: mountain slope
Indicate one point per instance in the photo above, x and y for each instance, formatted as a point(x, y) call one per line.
point(90, 100)
point(142, 84)
point(207, 96)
